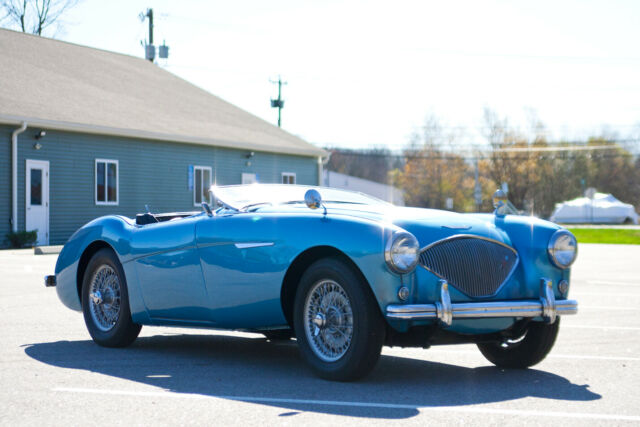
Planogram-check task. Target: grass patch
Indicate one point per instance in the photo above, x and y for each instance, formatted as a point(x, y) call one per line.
point(607, 235)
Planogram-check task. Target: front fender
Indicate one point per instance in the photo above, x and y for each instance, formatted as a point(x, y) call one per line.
point(115, 231)
point(362, 240)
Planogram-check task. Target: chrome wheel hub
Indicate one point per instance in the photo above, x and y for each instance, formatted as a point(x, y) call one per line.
point(96, 297)
point(104, 298)
point(328, 320)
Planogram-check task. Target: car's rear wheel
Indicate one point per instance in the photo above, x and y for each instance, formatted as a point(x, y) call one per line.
point(105, 302)
point(525, 351)
point(338, 325)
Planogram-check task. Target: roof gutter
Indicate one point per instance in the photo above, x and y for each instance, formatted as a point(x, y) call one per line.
point(14, 175)
point(142, 134)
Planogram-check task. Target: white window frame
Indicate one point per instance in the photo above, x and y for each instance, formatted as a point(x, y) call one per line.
point(288, 175)
point(201, 168)
point(106, 184)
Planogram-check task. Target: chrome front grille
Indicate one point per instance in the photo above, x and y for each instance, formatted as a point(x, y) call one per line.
point(477, 266)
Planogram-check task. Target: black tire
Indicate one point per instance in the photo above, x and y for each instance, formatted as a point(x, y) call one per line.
point(530, 350)
point(367, 325)
point(627, 221)
point(116, 330)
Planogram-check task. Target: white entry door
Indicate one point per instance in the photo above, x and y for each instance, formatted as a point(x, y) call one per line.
point(37, 199)
point(249, 178)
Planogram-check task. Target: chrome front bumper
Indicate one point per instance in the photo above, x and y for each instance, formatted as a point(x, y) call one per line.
point(445, 311)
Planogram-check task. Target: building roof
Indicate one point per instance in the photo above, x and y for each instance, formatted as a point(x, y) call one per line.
point(59, 85)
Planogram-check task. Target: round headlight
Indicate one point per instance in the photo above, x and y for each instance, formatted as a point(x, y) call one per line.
point(402, 252)
point(562, 248)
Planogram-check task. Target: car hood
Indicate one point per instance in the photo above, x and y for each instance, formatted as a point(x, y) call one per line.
point(428, 225)
point(431, 225)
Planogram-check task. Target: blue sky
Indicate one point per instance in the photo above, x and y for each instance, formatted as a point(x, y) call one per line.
point(365, 73)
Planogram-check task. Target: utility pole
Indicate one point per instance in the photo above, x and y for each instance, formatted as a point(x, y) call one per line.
point(278, 103)
point(150, 48)
point(477, 191)
point(150, 16)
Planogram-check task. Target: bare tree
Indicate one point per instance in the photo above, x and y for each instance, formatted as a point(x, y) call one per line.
point(33, 16)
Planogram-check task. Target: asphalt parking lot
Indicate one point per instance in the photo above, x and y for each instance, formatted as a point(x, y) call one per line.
point(51, 372)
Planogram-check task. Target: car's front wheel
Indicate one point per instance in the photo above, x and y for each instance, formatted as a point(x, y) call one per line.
point(525, 351)
point(105, 302)
point(338, 324)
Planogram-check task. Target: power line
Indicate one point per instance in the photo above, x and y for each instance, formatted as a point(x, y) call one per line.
point(551, 146)
point(410, 154)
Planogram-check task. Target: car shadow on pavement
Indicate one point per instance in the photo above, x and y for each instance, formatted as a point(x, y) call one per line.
point(250, 369)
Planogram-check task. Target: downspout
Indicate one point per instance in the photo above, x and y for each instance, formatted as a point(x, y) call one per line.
point(321, 163)
point(14, 175)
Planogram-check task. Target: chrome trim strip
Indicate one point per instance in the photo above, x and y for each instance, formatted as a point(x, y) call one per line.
point(252, 245)
point(472, 236)
point(480, 310)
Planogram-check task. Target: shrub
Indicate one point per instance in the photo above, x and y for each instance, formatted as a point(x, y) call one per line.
point(20, 239)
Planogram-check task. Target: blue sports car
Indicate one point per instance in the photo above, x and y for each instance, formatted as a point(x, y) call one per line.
point(342, 272)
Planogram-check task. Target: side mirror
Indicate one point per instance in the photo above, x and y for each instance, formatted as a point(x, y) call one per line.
point(313, 200)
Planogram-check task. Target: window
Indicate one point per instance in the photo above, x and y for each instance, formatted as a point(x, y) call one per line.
point(36, 187)
point(106, 182)
point(249, 178)
point(288, 178)
point(201, 184)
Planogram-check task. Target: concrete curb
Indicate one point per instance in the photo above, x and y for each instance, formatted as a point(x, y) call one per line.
point(47, 250)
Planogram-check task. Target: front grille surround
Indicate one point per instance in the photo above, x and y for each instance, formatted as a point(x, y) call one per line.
point(477, 266)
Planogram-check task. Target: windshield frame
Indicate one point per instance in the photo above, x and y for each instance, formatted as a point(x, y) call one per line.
point(225, 198)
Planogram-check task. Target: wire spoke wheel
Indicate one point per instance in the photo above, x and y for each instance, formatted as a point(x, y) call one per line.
point(105, 298)
point(328, 320)
point(338, 325)
point(105, 301)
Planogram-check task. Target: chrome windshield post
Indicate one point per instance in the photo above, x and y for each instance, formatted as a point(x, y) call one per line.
point(207, 208)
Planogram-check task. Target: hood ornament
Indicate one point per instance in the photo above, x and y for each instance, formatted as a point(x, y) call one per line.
point(499, 202)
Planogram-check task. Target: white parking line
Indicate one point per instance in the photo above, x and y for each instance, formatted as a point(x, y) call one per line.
point(423, 408)
point(551, 356)
point(580, 356)
point(601, 294)
point(604, 307)
point(604, 328)
point(606, 282)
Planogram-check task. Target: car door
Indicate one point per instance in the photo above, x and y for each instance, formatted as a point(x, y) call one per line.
point(243, 262)
point(168, 268)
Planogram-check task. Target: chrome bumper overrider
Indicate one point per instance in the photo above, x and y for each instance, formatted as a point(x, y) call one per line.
point(445, 311)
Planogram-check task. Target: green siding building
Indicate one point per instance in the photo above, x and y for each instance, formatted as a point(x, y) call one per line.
point(86, 133)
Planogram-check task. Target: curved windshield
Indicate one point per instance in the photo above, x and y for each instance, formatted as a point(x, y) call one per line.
point(242, 197)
